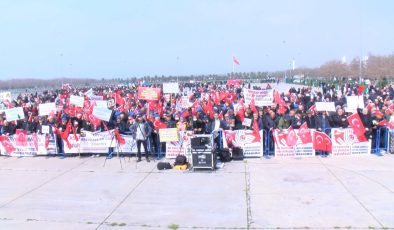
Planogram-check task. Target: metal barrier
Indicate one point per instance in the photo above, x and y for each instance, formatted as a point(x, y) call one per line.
point(268, 139)
point(379, 146)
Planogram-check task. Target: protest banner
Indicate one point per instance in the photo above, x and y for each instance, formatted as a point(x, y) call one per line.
point(22, 145)
point(5, 96)
point(346, 143)
point(168, 135)
point(91, 142)
point(46, 109)
point(248, 140)
point(149, 94)
point(172, 87)
point(353, 103)
point(180, 147)
point(234, 83)
point(14, 114)
point(325, 106)
point(262, 98)
point(77, 100)
point(130, 146)
point(292, 143)
point(103, 114)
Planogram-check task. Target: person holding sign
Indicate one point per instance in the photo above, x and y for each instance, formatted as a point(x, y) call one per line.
point(140, 131)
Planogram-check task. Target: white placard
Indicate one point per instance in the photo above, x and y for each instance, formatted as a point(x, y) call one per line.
point(262, 98)
point(103, 114)
point(325, 106)
point(354, 102)
point(77, 100)
point(46, 109)
point(101, 104)
point(184, 102)
point(45, 129)
point(96, 98)
point(5, 96)
point(247, 122)
point(172, 87)
point(14, 114)
point(89, 93)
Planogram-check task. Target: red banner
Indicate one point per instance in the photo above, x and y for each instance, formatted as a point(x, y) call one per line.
point(150, 94)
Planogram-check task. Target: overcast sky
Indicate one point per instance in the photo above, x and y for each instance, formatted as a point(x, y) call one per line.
point(74, 38)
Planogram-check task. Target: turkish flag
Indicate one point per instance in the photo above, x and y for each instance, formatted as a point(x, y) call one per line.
point(21, 137)
point(362, 138)
point(230, 97)
point(322, 141)
point(356, 124)
point(119, 138)
point(278, 99)
point(256, 130)
point(235, 60)
point(94, 120)
point(253, 106)
point(118, 98)
point(305, 134)
point(8, 104)
point(230, 137)
point(159, 125)
point(383, 123)
point(8, 147)
point(312, 108)
point(360, 89)
point(291, 138)
point(389, 125)
point(241, 111)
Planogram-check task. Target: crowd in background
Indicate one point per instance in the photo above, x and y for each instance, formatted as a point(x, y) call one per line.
point(212, 106)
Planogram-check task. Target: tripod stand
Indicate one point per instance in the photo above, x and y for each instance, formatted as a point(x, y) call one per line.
point(110, 151)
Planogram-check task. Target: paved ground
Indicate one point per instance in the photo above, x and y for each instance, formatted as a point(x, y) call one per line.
point(313, 193)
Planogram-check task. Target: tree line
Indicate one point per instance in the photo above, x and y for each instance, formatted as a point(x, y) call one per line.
point(376, 67)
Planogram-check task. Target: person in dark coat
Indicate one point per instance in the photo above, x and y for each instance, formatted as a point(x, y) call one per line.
point(339, 119)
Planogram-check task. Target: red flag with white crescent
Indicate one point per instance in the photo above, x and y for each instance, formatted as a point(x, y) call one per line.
point(305, 134)
point(356, 124)
point(291, 138)
point(8, 147)
point(322, 141)
point(21, 137)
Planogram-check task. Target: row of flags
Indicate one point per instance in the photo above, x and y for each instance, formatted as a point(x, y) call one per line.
point(322, 142)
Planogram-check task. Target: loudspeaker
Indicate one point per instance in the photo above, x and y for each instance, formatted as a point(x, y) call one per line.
point(201, 142)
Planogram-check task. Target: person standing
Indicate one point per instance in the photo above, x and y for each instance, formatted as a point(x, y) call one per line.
point(141, 130)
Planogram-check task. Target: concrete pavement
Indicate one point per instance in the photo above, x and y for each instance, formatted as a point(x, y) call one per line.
point(276, 193)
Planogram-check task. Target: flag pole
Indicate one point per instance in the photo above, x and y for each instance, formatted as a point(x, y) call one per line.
point(232, 75)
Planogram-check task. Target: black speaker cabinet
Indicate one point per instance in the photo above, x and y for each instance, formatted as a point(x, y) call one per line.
point(203, 159)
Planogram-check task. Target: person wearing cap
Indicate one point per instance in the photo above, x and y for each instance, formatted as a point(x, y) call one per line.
point(140, 131)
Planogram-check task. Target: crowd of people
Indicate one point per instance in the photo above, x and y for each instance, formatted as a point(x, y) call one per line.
point(211, 107)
